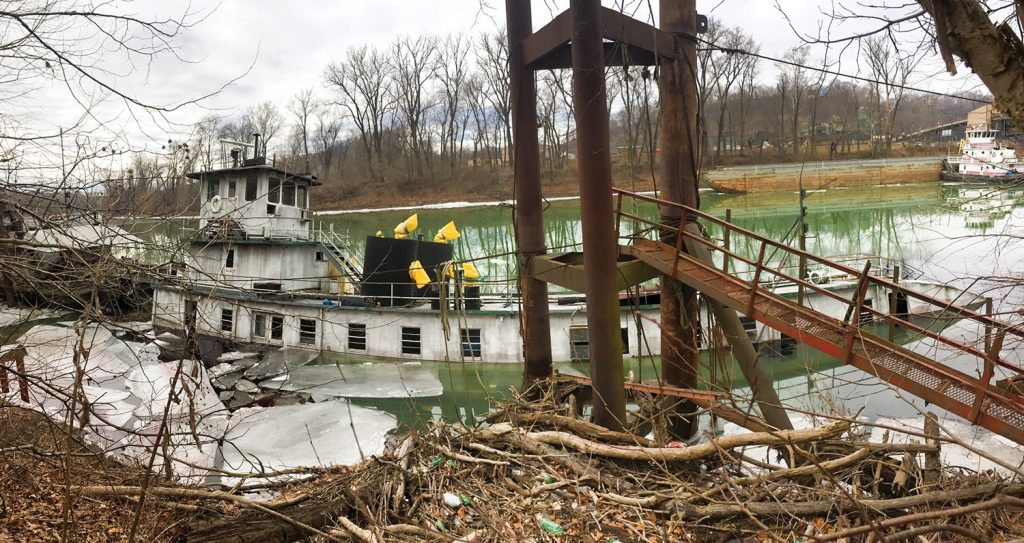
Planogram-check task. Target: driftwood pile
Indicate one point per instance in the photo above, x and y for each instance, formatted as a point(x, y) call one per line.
point(538, 472)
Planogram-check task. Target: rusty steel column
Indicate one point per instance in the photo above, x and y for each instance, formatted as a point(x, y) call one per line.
point(600, 246)
point(680, 311)
point(529, 217)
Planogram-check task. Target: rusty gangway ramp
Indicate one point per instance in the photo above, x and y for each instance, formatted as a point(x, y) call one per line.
point(976, 400)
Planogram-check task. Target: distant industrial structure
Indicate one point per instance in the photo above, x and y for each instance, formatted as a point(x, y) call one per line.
point(986, 116)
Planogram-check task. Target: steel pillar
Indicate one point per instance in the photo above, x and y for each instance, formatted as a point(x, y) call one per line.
point(600, 246)
point(678, 175)
point(529, 216)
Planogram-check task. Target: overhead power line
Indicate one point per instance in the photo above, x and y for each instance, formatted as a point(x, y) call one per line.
point(734, 50)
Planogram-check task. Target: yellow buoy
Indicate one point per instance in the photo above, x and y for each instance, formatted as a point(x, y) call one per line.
point(470, 274)
point(406, 227)
point(447, 233)
point(418, 274)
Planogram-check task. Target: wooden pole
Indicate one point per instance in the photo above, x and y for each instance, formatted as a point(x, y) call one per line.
point(600, 247)
point(535, 325)
point(678, 175)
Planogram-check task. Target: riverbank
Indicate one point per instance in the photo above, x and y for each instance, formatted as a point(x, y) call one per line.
point(494, 187)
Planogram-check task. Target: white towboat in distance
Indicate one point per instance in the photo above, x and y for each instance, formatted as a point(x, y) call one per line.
point(261, 275)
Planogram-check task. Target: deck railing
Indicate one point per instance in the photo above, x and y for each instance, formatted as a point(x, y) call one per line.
point(995, 331)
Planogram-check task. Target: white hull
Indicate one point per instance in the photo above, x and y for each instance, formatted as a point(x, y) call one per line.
point(491, 334)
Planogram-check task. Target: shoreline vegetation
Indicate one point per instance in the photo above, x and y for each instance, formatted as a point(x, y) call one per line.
point(495, 188)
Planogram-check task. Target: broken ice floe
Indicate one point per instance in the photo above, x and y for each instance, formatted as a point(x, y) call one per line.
point(10, 316)
point(377, 380)
point(320, 434)
point(128, 390)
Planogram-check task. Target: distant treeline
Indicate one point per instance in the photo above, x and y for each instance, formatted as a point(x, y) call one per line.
point(430, 113)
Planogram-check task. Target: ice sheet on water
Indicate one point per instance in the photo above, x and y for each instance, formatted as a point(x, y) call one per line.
point(956, 455)
point(319, 434)
point(767, 454)
point(151, 384)
point(378, 380)
point(192, 448)
point(232, 356)
point(279, 362)
point(13, 315)
point(127, 390)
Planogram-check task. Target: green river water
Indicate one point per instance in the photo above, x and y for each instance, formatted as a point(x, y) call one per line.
point(912, 223)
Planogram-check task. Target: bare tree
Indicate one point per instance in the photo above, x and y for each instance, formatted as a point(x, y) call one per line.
point(411, 62)
point(796, 77)
point(266, 120)
point(328, 131)
point(303, 108)
point(891, 70)
point(492, 61)
point(451, 68)
point(728, 68)
point(364, 82)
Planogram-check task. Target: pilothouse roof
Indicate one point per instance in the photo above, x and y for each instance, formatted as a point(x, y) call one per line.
point(221, 172)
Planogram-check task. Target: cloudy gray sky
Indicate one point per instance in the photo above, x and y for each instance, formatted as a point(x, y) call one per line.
point(279, 47)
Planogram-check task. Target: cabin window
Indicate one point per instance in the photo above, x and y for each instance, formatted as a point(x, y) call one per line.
point(301, 197)
point(288, 194)
point(229, 260)
point(307, 331)
point(259, 325)
point(231, 188)
point(579, 343)
point(866, 316)
point(227, 320)
point(274, 194)
point(212, 189)
point(276, 327)
point(750, 326)
point(319, 257)
point(410, 340)
point(470, 342)
point(251, 187)
point(357, 337)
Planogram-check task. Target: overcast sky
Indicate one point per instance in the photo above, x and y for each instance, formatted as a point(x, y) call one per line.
point(279, 47)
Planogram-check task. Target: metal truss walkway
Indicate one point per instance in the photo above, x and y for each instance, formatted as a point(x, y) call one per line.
point(687, 257)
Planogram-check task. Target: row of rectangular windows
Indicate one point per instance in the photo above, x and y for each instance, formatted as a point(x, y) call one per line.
point(287, 193)
point(230, 259)
point(271, 326)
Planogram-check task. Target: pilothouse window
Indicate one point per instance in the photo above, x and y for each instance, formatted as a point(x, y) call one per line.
point(274, 194)
point(212, 189)
point(251, 187)
point(288, 195)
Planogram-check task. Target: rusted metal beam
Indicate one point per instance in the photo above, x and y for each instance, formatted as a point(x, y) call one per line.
point(705, 399)
point(600, 247)
point(631, 42)
point(615, 54)
point(529, 205)
point(567, 270)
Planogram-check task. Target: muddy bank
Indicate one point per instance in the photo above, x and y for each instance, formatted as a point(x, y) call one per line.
point(497, 187)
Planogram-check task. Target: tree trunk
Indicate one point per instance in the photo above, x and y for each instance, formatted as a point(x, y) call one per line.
point(993, 52)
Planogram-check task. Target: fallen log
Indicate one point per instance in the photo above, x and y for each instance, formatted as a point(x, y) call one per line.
point(842, 504)
point(271, 522)
point(664, 454)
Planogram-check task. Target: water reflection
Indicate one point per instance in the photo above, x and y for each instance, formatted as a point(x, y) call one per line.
point(920, 225)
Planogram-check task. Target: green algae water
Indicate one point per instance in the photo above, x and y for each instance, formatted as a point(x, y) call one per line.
point(914, 224)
